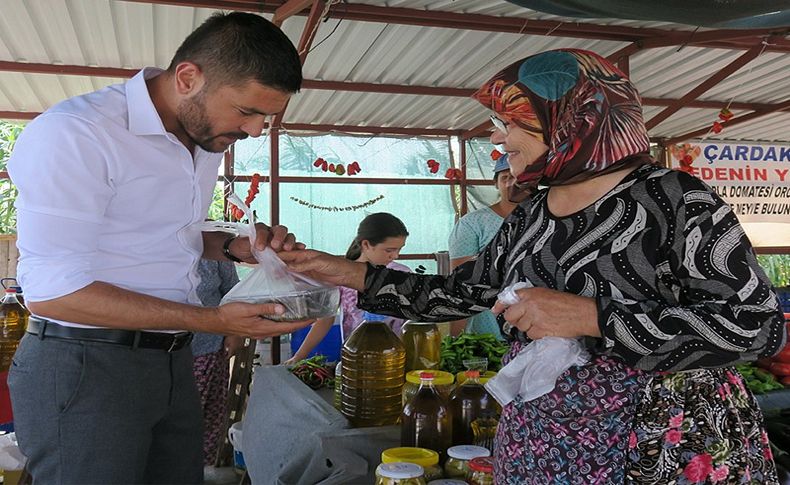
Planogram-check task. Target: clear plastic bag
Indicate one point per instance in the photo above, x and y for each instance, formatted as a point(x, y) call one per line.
point(271, 281)
point(534, 371)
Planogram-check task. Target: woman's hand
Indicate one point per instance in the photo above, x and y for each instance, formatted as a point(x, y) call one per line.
point(542, 312)
point(317, 265)
point(277, 237)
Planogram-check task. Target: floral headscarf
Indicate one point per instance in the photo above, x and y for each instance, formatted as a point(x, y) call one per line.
point(581, 106)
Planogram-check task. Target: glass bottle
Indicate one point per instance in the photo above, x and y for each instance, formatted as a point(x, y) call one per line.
point(372, 374)
point(484, 430)
point(442, 382)
point(13, 316)
point(423, 344)
point(467, 403)
point(426, 420)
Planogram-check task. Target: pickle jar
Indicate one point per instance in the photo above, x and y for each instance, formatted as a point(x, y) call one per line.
point(458, 457)
point(442, 381)
point(427, 459)
point(481, 471)
point(400, 474)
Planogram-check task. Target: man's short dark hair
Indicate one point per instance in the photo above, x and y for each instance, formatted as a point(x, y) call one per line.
point(235, 48)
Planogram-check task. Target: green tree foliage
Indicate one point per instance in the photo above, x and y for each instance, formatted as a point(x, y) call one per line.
point(9, 132)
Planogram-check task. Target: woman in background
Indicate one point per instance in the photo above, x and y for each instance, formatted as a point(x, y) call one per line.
point(211, 353)
point(472, 233)
point(379, 240)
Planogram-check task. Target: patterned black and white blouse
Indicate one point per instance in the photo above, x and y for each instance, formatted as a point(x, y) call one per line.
point(677, 283)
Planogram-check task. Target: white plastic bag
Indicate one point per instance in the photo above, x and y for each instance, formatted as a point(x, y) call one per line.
point(11, 458)
point(271, 281)
point(534, 371)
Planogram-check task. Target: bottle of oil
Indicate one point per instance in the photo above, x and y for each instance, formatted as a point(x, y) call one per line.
point(426, 421)
point(484, 430)
point(372, 374)
point(423, 344)
point(468, 402)
point(338, 381)
point(13, 317)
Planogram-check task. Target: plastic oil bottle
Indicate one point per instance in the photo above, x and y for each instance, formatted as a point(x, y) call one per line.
point(423, 343)
point(468, 402)
point(426, 421)
point(13, 316)
point(372, 374)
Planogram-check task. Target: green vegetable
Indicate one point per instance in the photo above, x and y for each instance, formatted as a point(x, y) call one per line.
point(314, 372)
point(758, 380)
point(468, 346)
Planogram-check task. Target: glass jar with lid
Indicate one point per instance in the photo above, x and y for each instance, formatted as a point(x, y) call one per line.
point(442, 382)
point(400, 474)
point(427, 459)
point(481, 471)
point(458, 457)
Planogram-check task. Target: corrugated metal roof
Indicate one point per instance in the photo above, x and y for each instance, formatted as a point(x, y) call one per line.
point(124, 34)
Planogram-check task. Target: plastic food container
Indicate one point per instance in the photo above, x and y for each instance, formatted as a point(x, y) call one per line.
point(427, 459)
point(442, 381)
point(458, 457)
point(399, 474)
point(301, 305)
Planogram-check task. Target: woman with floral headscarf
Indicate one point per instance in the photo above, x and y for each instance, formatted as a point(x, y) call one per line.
point(646, 264)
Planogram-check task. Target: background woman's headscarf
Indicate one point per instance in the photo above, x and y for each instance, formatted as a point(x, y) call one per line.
point(582, 107)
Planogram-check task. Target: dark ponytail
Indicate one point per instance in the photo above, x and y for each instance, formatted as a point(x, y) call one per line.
point(375, 229)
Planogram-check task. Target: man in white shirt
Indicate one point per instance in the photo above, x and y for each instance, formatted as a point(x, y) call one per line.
point(111, 185)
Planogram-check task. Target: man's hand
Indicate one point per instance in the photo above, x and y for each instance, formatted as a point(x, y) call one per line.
point(542, 312)
point(277, 237)
point(249, 320)
point(320, 266)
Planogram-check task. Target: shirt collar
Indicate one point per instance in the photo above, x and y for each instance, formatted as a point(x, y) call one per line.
point(143, 117)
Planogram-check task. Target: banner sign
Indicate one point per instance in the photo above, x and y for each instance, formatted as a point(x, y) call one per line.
point(753, 179)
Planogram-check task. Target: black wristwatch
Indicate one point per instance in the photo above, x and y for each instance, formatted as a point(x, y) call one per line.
point(226, 250)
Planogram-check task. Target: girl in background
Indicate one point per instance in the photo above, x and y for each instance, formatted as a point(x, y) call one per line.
point(379, 240)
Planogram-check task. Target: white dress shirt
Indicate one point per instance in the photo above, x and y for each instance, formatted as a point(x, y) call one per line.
point(106, 194)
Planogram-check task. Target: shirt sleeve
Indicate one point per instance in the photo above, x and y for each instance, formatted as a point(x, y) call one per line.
point(727, 310)
point(470, 289)
point(64, 186)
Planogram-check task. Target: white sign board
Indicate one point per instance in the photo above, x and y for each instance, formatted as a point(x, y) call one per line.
point(753, 179)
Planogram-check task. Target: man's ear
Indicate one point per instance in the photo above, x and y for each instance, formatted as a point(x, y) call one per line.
point(189, 79)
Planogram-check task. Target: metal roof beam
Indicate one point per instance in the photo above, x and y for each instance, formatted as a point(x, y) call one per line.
point(122, 73)
point(305, 42)
point(712, 81)
point(478, 130)
point(376, 130)
point(735, 121)
point(490, 23)
point(289, 9)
